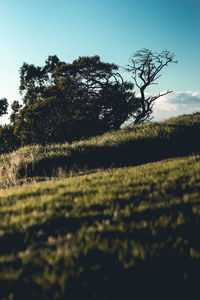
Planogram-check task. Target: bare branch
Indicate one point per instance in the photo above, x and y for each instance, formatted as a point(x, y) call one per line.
point(145, 67)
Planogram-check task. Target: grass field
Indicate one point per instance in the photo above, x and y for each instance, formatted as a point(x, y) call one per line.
point(116, 233)
point(131, 145)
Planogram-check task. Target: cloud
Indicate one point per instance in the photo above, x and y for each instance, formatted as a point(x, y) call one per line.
point(175, 104)
point(185, 98)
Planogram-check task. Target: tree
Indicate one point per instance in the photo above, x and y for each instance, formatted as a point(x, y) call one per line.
point(68, 101)
point(145, 67)
point(3, 106)
point(99, 91)
point(8, 140)
point(35, 79)
point(14, 116)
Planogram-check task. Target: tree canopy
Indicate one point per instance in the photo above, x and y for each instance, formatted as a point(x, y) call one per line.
point(3, 106)
point(69, 101)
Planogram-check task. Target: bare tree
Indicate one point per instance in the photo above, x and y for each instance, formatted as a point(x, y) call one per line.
point(145, 67)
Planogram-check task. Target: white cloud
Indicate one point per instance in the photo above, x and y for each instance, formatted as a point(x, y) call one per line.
point(175, 104)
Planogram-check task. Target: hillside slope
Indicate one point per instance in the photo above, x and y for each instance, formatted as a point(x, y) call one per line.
point(114, 234)
point(132, 145)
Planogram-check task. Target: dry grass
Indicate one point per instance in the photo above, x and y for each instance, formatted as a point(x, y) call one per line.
point(9, 171)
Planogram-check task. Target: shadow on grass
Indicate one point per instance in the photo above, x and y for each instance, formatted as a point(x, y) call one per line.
point(168, 272)
point(165, 276)
point(182, 141)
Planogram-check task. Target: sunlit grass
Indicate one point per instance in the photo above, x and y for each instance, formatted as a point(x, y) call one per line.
point(107, 233)
point(74, 223)
point(131, 145)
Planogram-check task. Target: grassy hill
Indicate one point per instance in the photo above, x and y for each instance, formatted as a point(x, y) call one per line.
point(116, 233)
point(132, 145)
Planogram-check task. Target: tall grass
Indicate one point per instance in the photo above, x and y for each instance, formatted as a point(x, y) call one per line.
point(9, 171)
point(131, 145)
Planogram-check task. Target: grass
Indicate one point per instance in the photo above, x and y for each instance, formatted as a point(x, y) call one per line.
point(105, 235)
point(121, 224)
point(131, 145)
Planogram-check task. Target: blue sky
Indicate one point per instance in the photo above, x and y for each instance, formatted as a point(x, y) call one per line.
point(30, 30)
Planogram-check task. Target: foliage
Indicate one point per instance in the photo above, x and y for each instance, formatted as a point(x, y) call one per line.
point(8, 140)
point(64, 102)
point(3, 106)
point(14, 117)
point(72, 101)
point(105, 235)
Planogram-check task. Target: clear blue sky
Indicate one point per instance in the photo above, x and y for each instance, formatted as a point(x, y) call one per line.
point(30, 30)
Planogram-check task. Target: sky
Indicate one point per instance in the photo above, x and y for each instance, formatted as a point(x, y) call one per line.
point(31, 30)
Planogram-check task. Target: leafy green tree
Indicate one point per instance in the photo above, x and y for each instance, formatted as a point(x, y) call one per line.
point(8, 140)
point(3, 106)
point(14, 116)
point(34, 80)
point(68, 101)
